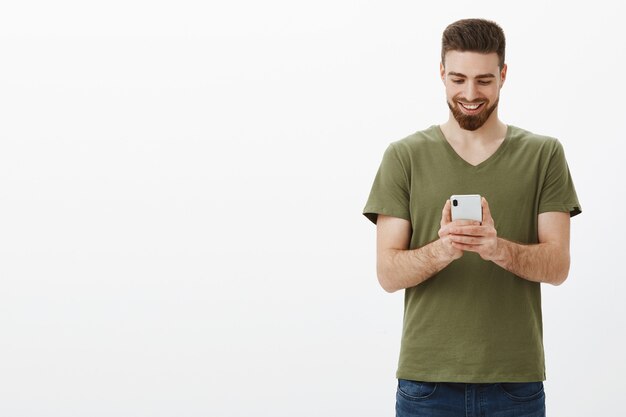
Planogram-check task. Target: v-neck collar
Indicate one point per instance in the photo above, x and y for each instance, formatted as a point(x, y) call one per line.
point(460, 160)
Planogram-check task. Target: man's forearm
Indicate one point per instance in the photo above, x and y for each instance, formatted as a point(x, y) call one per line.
point(542, 262)
point(398, 269)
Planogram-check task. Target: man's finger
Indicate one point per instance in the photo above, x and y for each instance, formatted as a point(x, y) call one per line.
point(469, 230)
point(463, 222)
point(467, 240)
point(466, 247)
point(486, 211)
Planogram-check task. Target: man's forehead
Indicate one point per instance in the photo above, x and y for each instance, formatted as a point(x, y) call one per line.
point(471, 64)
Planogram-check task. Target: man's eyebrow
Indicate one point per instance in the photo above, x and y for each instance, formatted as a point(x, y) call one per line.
point(458, 74)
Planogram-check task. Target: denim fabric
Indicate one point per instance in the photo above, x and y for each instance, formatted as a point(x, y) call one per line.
point(443, 399)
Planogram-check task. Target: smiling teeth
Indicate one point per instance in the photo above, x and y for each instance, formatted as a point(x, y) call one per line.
point(470, 106)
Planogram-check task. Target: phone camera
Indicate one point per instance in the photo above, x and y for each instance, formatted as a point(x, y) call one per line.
point(455, 202)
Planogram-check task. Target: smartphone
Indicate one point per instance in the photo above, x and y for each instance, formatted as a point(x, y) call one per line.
point(466, 207)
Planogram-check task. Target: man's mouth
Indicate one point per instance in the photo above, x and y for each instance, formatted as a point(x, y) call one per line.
point(471, 108)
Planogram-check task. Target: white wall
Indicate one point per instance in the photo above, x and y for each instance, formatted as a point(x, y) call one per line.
point(181, 186)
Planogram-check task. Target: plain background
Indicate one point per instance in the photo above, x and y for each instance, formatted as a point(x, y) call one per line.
point(181, 186)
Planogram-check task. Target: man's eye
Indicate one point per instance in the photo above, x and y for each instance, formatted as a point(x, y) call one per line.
point(457, 81)
point(484, 82)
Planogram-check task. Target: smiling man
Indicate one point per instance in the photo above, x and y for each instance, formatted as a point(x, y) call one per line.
point(472, 339)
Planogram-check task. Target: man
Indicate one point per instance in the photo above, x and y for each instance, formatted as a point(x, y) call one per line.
point(472, 334)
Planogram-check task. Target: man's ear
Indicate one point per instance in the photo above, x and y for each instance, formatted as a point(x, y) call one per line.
point(503, 75)
point(442, 72)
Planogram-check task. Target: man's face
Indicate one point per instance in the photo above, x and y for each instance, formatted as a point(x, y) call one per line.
point(473, 81)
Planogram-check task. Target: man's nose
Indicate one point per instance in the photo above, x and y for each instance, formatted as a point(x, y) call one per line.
point(470, 91)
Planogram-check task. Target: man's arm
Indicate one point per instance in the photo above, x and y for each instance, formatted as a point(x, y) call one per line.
point(547, 261)
point(398, 267)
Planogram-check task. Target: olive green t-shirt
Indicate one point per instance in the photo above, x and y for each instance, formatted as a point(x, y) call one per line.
point(474, 321)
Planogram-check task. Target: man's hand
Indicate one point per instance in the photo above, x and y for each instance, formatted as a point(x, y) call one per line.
point(547, 261)
point(398, 266)
point(446, 243)
point(479, 238)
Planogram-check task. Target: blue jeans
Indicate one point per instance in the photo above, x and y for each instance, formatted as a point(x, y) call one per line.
point(444, 399)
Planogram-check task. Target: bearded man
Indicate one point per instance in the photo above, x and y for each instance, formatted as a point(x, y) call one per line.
point(472, 339)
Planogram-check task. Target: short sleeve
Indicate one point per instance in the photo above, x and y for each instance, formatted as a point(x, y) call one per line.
point(390, 191)
point(558, 192)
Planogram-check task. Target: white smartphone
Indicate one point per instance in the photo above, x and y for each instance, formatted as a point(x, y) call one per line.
point(466, 207)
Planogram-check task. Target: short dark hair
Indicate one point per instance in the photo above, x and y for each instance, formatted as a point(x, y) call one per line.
point(474, 35)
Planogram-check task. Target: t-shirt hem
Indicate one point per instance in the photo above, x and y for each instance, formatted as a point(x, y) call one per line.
point(573, 208)
point(372, 213)
point(471, 379)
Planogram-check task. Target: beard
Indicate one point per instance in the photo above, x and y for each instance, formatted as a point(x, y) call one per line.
point(474, 121)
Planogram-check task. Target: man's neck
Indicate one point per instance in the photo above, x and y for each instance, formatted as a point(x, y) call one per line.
point(492, 131)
